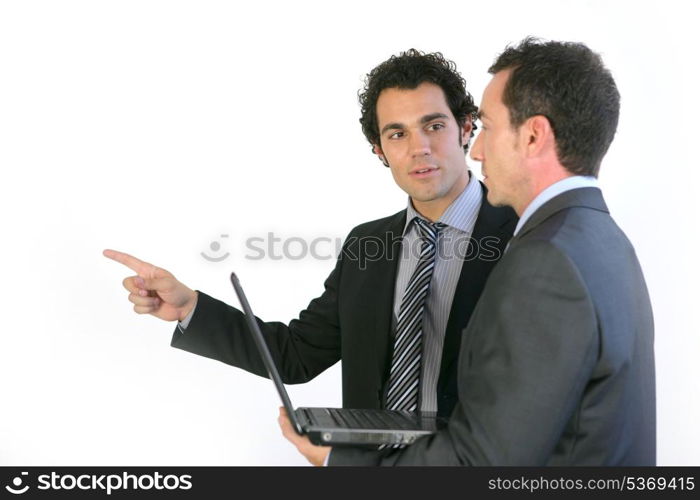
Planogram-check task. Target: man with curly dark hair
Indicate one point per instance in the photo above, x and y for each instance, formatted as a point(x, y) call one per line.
point(403, 287)
point(419, 119)
point(431, 80)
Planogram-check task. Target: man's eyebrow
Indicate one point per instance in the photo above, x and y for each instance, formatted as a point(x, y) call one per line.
point(392, 126)
point(432, 116)
point(481, 115)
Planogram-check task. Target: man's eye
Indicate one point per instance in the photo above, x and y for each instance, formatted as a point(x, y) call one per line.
point(436, 126)
point(396, 135)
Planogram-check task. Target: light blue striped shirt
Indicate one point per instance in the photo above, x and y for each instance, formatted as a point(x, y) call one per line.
point(452, 246)
point(562, 186)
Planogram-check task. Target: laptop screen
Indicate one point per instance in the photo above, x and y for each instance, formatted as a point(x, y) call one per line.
point(265, 352)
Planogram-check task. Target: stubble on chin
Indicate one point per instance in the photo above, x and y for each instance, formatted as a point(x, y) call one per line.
point(425, 196)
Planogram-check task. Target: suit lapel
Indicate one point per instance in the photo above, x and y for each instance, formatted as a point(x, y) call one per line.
point(493, 229)
point(381, 284)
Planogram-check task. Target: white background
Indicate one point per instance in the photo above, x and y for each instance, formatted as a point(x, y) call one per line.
point(154, 127)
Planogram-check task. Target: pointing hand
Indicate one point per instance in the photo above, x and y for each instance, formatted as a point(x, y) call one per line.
point(154, 290)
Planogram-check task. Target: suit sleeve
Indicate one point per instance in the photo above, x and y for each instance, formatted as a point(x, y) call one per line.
point(302, 350)
point(525, 359)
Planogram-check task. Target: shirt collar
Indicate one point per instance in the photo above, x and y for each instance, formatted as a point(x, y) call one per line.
point(462, 212)
point(574, 182)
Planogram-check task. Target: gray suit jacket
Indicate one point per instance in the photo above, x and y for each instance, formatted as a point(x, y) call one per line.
point(556, 365)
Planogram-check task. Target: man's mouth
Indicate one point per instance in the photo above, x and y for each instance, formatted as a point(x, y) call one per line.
point(423, 172)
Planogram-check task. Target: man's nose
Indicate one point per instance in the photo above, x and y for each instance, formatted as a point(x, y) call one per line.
point(420, 144)
point(477, 152)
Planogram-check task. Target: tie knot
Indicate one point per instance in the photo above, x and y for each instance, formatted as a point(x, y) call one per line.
point(429, 230)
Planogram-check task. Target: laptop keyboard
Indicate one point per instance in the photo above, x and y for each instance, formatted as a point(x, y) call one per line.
point(371, 419)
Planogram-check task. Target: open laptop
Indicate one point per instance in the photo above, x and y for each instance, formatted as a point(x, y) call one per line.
point(341, 426)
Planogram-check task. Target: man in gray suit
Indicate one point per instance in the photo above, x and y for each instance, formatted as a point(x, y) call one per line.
point(556, 363)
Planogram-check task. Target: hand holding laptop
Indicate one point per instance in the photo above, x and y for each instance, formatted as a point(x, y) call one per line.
point(335, 426)
point(316, 455)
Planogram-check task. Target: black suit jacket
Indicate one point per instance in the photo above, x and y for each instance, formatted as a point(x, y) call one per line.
point(557, 363)
point(352, 318)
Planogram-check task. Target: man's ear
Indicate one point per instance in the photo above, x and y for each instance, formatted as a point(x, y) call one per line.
point(538, 135)
point(377, 150)
point(467, 130)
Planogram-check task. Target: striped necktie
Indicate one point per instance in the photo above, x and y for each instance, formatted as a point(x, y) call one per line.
point(404, 377)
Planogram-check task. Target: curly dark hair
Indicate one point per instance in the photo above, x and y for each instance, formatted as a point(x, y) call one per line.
point(407, 71)
point(568, 84)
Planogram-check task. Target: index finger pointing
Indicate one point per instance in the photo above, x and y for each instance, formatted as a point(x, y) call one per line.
point(141, 267)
